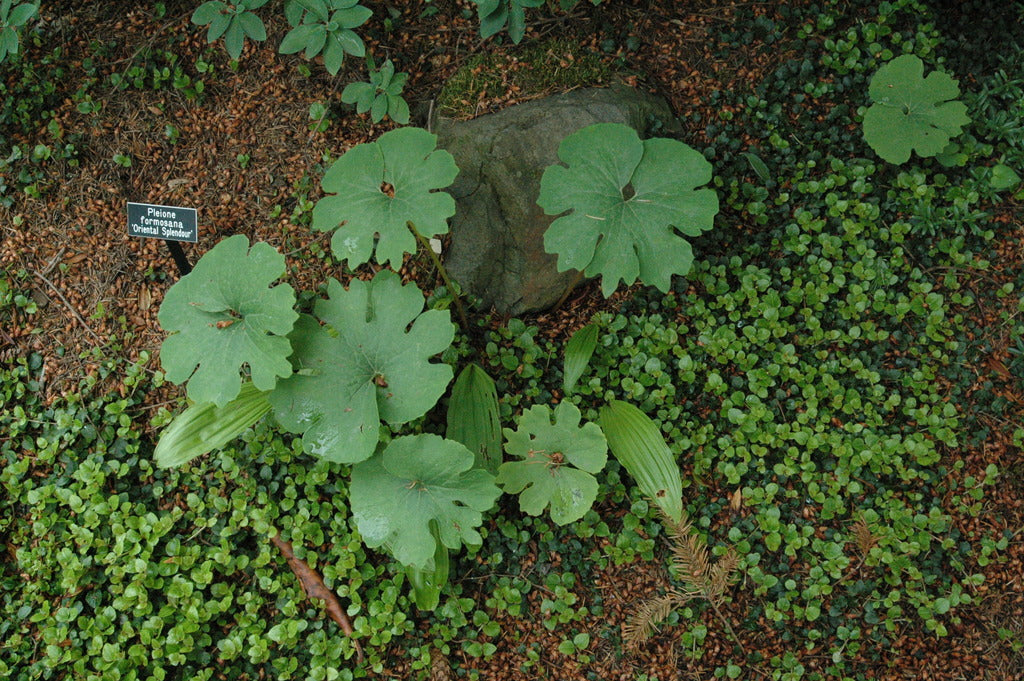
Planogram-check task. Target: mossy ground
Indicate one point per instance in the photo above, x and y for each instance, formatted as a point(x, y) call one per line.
point(527, 72)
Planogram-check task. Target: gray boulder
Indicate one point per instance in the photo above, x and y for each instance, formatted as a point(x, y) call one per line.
point(497, 233)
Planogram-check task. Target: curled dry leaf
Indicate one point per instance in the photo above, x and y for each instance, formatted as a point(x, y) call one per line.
point(145, 298)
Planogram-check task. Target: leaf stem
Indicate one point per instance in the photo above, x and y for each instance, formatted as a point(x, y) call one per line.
point(456, 299)
point(572, 286)
point(728, 627)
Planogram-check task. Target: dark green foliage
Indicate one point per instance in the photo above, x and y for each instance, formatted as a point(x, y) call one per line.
point(144, 573)
point(496, 14)
point(818, 367)
point(578, 352)
point(473, 417)
point(12, 18)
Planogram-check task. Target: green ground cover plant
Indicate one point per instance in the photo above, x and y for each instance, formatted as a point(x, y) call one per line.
point(234, 22)
point(807, 376)
point(324, 27)
point(369, 362)
point(382, 95)
point(12, 18)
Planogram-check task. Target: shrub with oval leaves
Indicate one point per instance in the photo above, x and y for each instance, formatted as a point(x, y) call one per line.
point(233, 21)
point(324, 27)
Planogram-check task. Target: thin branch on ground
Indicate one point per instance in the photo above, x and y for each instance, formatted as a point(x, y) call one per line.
point(68, 304)
point(313, 586)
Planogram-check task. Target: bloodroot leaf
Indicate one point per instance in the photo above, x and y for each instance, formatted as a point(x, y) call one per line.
point(912, 113)
point(418, 480)
point(222, 316)
point(376, 189)
point(557, 464)
point(364, 367)
point(629, 202)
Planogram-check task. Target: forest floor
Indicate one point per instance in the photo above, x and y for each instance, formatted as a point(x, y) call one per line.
point(246, 154)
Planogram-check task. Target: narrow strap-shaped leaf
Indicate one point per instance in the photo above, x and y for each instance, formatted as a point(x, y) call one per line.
point(760, 169)
point(637, 443)
point(578, 351)
point(379, 108)
point(473, 417)
point(8, 42)
point(516, 23)
point(205, 427)
point(387, 71)
point(333, 53)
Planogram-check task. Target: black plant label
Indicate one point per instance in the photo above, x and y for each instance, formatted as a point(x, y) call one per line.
point(170, 223)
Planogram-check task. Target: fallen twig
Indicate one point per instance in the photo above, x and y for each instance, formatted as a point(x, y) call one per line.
point(313, 586)
point(68, 305)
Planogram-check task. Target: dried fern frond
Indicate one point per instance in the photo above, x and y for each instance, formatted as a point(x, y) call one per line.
point(677, 529)
point(723, 574)
point(863, 537)
point(690, 556)
point(644, 622)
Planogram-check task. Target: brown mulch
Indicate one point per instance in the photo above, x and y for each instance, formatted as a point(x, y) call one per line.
point(98, 288)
